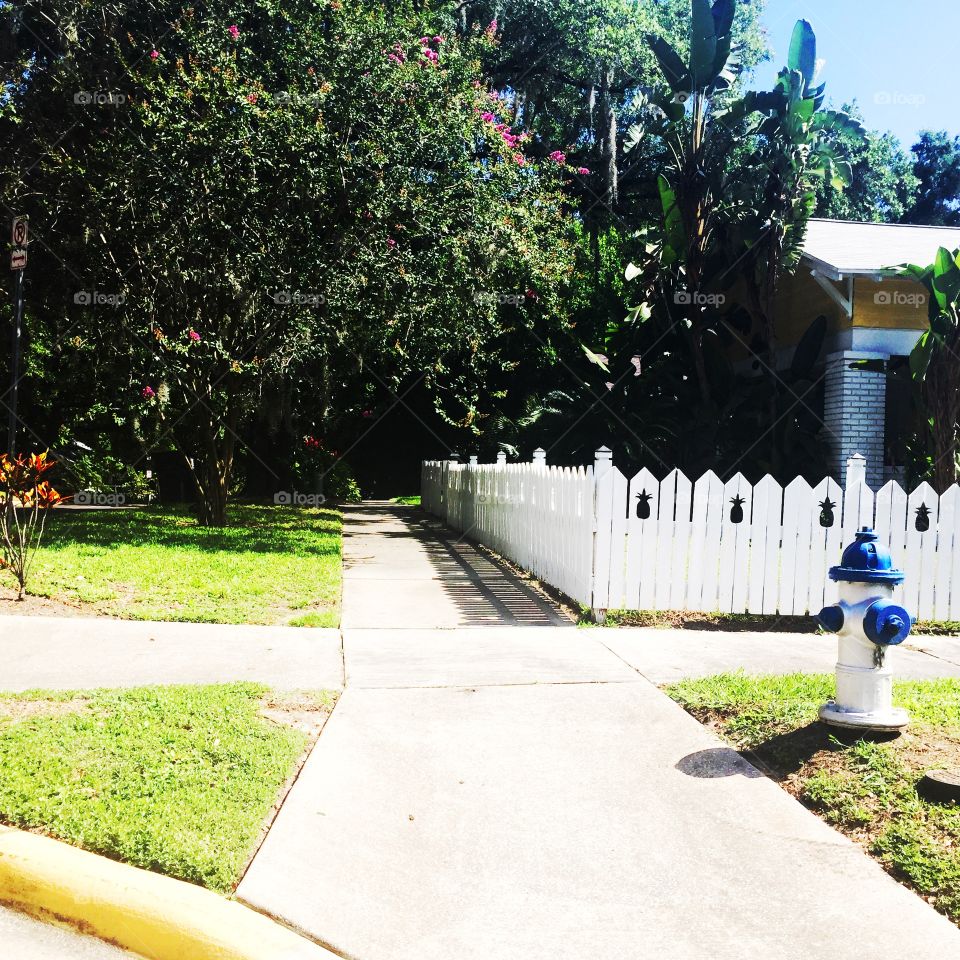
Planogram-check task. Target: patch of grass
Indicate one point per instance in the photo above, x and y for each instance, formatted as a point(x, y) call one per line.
point(864, 787)
point(407, 501)
point(740, 622)
point(157, 563)
point(178, 780)
point(310, 620)
point(692, 620)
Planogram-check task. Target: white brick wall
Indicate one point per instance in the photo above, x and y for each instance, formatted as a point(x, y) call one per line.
point(853, 414)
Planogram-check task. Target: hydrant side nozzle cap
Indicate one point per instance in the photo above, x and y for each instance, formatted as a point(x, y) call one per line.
point(867, 560)
point(831, 618)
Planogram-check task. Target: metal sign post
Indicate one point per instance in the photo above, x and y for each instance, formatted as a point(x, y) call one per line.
point(18, 263)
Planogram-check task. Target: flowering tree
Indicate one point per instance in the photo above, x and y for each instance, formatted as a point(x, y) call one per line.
point(323, 194)
point(26, 499)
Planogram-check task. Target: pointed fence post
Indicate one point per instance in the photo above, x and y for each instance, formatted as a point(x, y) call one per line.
point(856, 470)
point(602, 526)
point(540, 457)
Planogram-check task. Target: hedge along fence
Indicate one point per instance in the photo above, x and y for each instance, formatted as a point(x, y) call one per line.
point(609, 542)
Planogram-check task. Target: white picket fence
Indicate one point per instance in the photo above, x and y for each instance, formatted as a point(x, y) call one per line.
point(613, 543)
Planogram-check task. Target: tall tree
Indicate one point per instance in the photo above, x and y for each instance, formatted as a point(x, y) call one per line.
point(323, 190)
point(883, 186)
point(937, 168)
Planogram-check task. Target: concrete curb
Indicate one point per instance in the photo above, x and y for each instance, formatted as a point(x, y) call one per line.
point(158, 917)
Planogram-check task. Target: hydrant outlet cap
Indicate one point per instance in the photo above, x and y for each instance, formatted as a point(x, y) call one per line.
point(831, 619)
point(867, 560)
point(886, 623)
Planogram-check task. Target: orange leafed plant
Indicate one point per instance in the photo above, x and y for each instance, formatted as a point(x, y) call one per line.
point(26, 499)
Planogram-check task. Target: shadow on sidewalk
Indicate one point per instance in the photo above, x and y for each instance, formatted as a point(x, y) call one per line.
point(483, 589)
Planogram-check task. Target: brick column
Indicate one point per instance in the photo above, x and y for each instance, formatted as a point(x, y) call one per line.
point(854, 414)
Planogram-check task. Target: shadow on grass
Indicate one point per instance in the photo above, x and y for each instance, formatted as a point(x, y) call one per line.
point(256, 529)
point(787, 753)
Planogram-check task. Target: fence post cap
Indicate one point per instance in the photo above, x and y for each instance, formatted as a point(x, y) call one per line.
point(539, 455)
point(501, 457)
point(604, 453)
point(473, 459)
point(453, 455)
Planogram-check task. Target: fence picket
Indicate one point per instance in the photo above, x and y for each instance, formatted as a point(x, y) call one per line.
point(697, 566)
point(795, 559)
point(945, 548)
point(642, 536)
point(765, 546)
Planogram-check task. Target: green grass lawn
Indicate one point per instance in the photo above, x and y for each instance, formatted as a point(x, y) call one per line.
point(272, 565)
point(866, 788)
point(179, 780)
point(407, 501)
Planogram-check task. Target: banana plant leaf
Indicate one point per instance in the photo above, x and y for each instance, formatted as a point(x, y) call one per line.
point(803, 52)
point(675, 71)
point(675, 239)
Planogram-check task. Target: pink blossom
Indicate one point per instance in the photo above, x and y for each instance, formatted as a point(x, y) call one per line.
point(431, 55)
point(558, 156)
point(367, 413)
point(251, 98)
point(439, 39)
point(194, 336)
point(492, 27)
point(148, 392)
point(424, 40)
point(520, 160)
point(583, 171)
point(488, 117)
point(234, 31)
point(154, 54)
point(391, 243)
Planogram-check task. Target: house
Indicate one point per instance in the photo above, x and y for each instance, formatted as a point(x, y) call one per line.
point(848, 273)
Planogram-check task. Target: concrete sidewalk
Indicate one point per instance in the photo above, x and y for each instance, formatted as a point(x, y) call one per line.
point(75, 653)
point(665, 656)
point(563, 822)
point(402, 569)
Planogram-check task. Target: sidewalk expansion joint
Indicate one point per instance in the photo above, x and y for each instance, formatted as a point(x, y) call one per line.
point(515, 683)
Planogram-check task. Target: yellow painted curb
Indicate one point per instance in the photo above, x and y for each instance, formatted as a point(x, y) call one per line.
point(158, 917)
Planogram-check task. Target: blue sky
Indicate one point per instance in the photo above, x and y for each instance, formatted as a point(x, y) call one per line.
point(899, 60)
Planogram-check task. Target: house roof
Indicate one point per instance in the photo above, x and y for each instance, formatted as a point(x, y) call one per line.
point(839, 248)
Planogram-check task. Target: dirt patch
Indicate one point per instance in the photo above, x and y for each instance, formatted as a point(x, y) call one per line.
point(18, 710)
point(302, 711)
point(42, 606)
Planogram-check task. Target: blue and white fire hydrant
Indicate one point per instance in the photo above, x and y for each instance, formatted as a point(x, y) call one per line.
point(868, 623)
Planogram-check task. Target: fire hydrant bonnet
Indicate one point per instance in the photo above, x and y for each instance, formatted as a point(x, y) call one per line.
point(867, 560)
